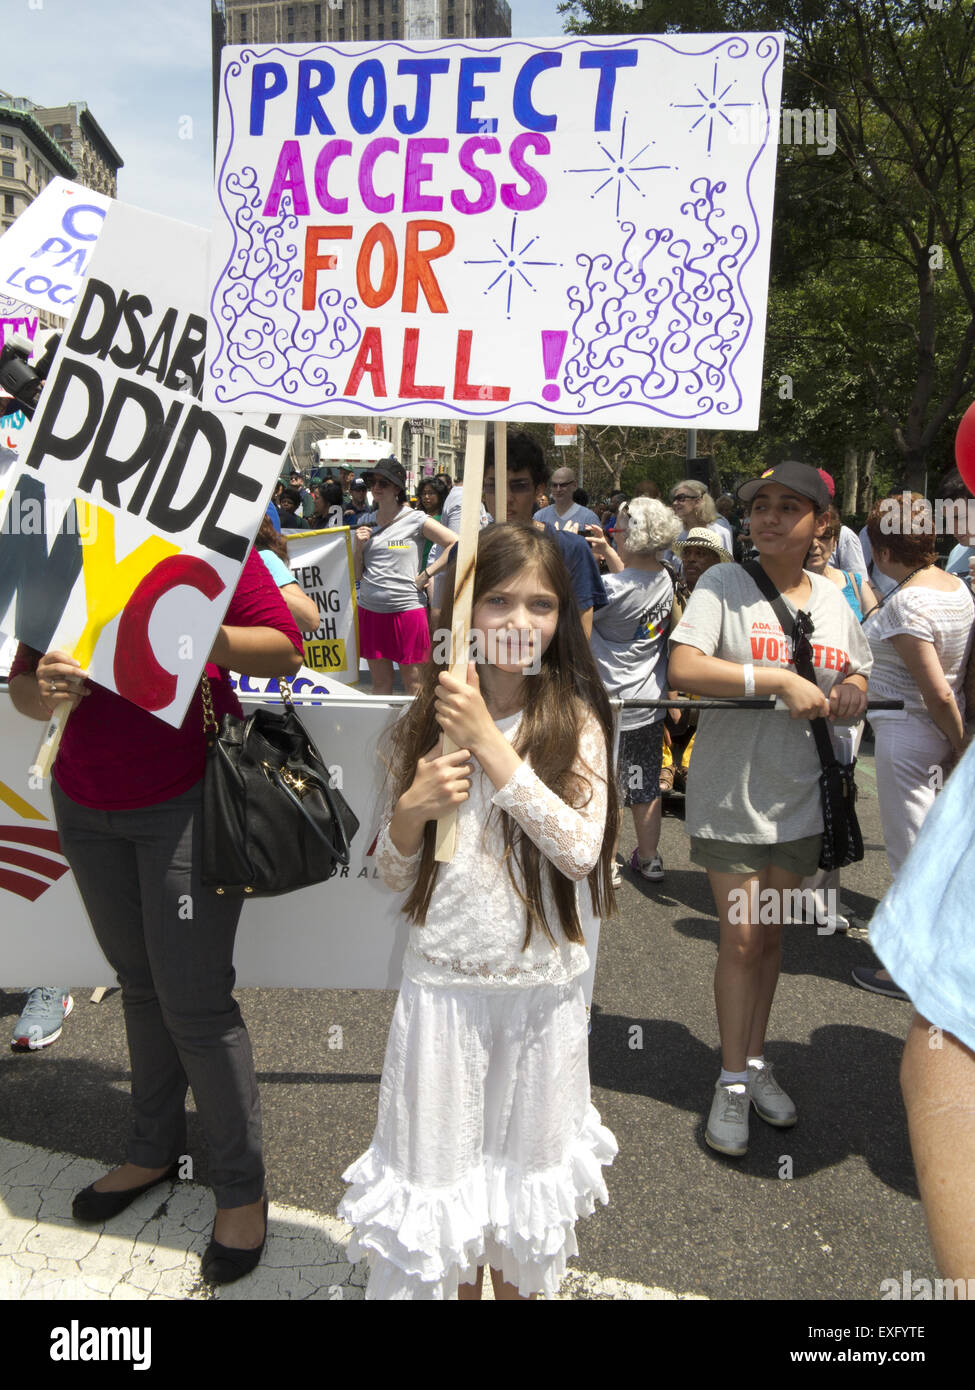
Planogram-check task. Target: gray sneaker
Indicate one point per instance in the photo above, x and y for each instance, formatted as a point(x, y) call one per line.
point(727, 1129)
point(40, 1024)
point(652, 868)
point(769, 1099)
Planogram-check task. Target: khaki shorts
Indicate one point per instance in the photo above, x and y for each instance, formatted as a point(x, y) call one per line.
point(799, 857)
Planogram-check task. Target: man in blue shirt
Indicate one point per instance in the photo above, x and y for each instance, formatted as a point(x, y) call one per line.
point(527, 477)
point(565, 513)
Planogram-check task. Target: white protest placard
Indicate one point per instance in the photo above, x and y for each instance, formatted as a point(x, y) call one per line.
point(321, 562)
point(45, 255)
point(20, 319)
point(17, 318)
point(573, 228)
point(131, 509)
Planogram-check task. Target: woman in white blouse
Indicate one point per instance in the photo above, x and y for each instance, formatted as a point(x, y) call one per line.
point(920, 637)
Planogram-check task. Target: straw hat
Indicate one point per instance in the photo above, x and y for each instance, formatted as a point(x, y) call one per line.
point(700, 535)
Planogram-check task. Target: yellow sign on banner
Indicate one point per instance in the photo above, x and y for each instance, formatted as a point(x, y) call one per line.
point(326, 656)
point(321, 562)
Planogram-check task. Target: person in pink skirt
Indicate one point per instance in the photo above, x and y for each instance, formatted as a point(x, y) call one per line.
point(392, 617)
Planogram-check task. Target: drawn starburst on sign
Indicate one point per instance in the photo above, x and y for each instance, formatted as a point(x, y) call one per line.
point(620, 169)
point(512, 262)
point(712, 106)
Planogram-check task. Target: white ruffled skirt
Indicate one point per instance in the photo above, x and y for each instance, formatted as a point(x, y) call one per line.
point(487, 1146)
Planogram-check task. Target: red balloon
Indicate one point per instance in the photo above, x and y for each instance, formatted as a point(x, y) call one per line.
point(965, 448)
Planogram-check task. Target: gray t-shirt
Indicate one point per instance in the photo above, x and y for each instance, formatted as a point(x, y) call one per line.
point(577, 515)
point(755, 776)
point(848, 553)
point(390, 563)
point(629, 640)
point(449, 517)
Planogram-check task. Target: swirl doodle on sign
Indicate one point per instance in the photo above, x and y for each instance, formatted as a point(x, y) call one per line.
point(663, 321)
point(266, 341)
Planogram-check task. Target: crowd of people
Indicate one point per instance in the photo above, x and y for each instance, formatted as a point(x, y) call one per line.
point(487, 1146)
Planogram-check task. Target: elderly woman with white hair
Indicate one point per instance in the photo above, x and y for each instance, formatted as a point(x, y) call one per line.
point(629, 643)
point(694, 507)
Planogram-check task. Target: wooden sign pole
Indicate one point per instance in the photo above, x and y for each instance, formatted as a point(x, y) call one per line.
point(470, 524)
point(500, 470)
point(50, 743)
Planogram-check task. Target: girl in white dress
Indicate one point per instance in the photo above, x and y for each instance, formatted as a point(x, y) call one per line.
point(487, 1146)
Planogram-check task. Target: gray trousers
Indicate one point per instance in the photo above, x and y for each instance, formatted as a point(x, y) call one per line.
point(171, 943)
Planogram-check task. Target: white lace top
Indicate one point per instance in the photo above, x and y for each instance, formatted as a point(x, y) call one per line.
point(476, 922)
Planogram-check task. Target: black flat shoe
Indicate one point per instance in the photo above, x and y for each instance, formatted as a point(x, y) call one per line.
point(222, 1264)
point(90, 1205)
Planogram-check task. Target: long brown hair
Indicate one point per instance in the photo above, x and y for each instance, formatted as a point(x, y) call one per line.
point(557, 702)
point(269, 538)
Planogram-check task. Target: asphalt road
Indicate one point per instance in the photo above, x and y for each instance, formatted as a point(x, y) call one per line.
point(826, 1210)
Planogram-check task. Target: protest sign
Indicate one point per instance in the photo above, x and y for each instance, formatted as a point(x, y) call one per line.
point(13, 430)
point(14, 318)
point(321, 562)
point(45, 255)
point(523, 230)
point(17, 318)
point(131, 509)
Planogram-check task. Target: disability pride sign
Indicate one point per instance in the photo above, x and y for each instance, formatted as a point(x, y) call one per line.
point(131, 508)
point(566, 229)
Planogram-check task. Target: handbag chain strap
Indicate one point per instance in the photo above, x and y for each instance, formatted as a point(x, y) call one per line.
point(210, 726)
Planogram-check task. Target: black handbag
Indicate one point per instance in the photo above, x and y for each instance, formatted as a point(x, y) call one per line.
point(842, 837)
point(271, 820)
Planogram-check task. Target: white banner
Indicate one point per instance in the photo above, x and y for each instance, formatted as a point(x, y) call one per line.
point(347, 933)
point(552, 229)
point(131, 509)
point(321, 562)
point(45, 255)
point(344, 934)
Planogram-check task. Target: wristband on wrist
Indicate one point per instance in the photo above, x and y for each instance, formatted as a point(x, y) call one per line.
point(749, 672)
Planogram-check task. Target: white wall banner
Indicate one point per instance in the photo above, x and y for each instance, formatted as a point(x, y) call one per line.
point(321, 562)
point(131, 508)
point(552, 229)
point(45, 255)
point(344, 934)
point(347, 933)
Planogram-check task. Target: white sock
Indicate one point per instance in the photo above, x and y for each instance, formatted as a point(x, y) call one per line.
point(733, 1078)
point(756, 1062)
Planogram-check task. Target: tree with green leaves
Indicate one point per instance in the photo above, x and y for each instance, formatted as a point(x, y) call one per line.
point(872, 300)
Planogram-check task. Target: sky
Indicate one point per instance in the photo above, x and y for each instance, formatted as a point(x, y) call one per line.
point(143, 67)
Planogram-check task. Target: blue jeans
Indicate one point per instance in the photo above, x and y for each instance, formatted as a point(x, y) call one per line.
point(171, 943)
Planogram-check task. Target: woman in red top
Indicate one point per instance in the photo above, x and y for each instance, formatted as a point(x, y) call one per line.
point(127, 792)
